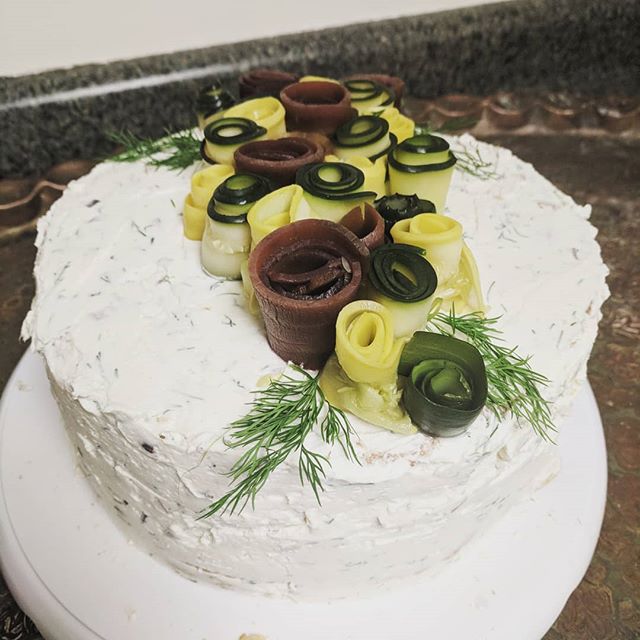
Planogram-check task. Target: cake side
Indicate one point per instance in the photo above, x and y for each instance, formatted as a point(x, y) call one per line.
point(150, 360)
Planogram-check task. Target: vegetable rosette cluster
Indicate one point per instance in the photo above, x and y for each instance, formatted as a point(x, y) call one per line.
point(319, 196)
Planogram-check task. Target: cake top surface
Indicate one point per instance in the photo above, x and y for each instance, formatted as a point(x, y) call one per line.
point(128, 321)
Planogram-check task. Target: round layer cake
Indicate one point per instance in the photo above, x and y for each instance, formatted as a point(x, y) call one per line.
point(150, 360)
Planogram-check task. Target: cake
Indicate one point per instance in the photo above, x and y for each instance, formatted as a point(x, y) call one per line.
point(150, 360)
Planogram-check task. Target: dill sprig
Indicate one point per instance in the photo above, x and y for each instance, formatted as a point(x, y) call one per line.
point(471, 161)
point(175, 151)
point(514, 387)
point(280, 419)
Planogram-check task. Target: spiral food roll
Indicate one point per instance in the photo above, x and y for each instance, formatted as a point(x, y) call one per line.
point(403, 281)
point(422, 165)
point(331, 190)
point(203, 184)
point(227, 237)
point(224, 136)
point(316, 106)
point(264, 82)
point(446, 384)
point(303, 274)
point(278, 160)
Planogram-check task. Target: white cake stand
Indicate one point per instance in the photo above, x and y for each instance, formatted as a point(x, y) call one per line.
point(74, 572)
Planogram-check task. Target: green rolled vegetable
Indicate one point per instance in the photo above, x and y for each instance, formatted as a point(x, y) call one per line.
point(446, 386)
point(401, 279)
point(396, 207)
point(331, 190)
point(364, 136)
point(422, 165)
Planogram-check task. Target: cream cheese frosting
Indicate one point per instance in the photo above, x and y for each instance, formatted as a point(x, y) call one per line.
point(150, 359)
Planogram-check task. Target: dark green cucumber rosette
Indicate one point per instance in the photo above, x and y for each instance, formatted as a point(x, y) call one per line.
point(364, 136)
point(446, 386)
point(422, 165)
point(332, 189)
point(400, 207)
point(223, 136)
point(369, 96)
point(211, 102)
point(234, 197)
point(401, 279)
point(227, 237)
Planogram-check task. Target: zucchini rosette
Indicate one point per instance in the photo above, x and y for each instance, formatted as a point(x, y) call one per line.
point(266, 112)
point(391, 82)
point(446, 385)
point(264, 82)
point(273, 211)
point(403, 281)
point(227, 237)
point(441, 239)
point(203, 184)
point(361, 378)
point(224, 136)
point(368, 96)
point(211, 103)
point(364, 136)
point(331, 190)
point(303, 274)
point(318, 106)
point(278, 160)
point(396, 207)
point(375, 172)
point(367, 224)
point(422, 165)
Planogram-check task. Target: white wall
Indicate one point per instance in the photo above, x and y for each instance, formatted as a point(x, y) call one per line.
point(36, 35)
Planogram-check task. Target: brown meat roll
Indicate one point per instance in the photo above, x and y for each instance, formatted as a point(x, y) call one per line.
point(303, 274)
point(264, 82)
point(366, 223)
point(279, 159)
point(316, 106)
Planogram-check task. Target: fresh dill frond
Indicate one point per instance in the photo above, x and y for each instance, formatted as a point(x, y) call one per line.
point(277, 425)
point(514, 387)
point(471, 161)
point(175, 151)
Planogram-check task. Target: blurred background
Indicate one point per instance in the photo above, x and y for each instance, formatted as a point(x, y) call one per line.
point(40, 35)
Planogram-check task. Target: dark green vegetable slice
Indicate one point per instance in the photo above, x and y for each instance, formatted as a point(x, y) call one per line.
point(401, 272)
point(399, 207)
point(447, 383)
point(332, 180)
point(230, 131)
point(425, 144)
point(213, 99)
point(234, 197)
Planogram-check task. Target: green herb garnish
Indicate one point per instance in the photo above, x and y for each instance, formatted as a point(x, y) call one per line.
point(175, 151)
point(281, 417)
point(513, 384)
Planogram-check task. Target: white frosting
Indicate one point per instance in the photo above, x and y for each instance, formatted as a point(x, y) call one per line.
point(150, 359)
